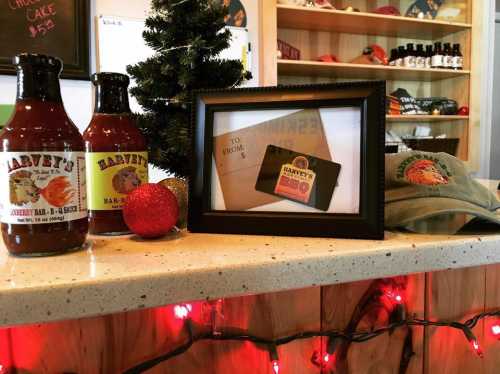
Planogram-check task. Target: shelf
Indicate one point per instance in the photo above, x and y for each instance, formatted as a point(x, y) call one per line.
point(125, 273)
point(306, 18)
point(424, 118)
point(357, 71)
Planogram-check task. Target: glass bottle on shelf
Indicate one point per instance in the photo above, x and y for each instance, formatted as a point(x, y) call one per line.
point(43, 199)
point(394, 57)
point(437, 57)
point(447, 56)
point(458, 59)
point(401, 56)
point(117, 159)
point(428, 56)
point(420, 57)
point(410, 58)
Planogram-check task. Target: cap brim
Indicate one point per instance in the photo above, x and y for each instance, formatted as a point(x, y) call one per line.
point(404, 212)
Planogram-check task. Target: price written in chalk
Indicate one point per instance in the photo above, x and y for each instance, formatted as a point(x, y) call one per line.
point(40, 17)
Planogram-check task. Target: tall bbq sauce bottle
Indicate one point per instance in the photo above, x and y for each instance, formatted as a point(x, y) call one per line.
point(116, 158)
point(42, 168)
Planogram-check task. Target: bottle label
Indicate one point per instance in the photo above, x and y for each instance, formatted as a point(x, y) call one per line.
point(409, 62)
point(420, 62)
point(458, 62)
point(428, 62)
point(112, 176)
point(448, 61)
point(437, 61)
point(42, 187)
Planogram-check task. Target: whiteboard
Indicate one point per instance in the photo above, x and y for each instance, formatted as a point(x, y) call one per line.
point(120, 43)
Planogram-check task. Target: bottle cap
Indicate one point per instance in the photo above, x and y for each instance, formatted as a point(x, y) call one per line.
point(39, 61)
point(110, 78)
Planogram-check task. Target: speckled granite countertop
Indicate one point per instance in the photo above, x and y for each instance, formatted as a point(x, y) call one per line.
point(121, 274)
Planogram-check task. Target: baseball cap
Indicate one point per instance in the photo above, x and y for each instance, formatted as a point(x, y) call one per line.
point(426, 187)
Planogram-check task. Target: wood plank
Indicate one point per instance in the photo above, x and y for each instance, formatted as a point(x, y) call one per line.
point(384, 353)
point(358, 71)
point(490, 343)
point(453, 295)
point(271, 316)
point(268, 55)
point(310, 18)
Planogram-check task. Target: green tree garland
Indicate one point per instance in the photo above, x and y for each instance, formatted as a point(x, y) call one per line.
point(186, 36)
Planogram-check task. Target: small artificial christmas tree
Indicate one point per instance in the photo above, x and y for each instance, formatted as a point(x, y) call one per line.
point(187, 36)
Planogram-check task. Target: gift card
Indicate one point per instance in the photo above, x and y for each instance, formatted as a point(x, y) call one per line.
point(298, 177)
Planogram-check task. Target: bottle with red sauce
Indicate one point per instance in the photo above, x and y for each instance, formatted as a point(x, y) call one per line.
point(116, 158)
point(42, 166)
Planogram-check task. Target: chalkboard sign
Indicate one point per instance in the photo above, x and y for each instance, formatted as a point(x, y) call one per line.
point(53, 27)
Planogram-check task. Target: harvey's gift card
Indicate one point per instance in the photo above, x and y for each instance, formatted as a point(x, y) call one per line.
point(238, 154)
point(299, 177)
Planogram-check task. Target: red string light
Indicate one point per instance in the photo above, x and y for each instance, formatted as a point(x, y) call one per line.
point(477, 348)
point(495, 329)
point(276, 366)
point(182, 311)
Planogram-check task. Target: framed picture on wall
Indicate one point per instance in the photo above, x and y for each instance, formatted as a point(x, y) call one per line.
point(57, 27)
point(294, 160)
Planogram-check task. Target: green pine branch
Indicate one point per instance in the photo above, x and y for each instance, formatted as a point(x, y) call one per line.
point(187, 36)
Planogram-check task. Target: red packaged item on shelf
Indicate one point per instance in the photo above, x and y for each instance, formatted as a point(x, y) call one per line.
point(387, 10)
point(372, 55)
point(328, 58)
point(287, 51)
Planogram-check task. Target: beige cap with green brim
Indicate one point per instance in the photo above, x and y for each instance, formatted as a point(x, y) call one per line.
point(422, 185)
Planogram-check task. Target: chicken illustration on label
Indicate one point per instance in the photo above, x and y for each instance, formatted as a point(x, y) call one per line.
point(296, 180)
point(23, 190)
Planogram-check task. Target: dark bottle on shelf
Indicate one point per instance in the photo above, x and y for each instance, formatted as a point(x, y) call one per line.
point(447, 56)
point(394, 57)
point(437, 56)
point(44, 207)
point(420, 57)
point(458, 59)
point(410, 58)
point(401, 56)
point(428, 56)
point(116, 158)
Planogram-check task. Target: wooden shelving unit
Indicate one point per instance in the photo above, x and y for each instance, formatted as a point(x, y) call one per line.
point(297, 17)
point(316, 32)
point(357, 71)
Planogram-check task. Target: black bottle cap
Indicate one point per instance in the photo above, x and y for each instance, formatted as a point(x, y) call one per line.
point(38, 61)
point(112, 78)
point(38, 77)
point(111, 94)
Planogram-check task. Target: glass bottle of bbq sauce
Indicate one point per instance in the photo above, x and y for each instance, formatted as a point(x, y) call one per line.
point(116, 158)
point(42, 166)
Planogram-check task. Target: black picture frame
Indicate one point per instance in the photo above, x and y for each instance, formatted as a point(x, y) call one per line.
point(367, 224)
point(81, 44)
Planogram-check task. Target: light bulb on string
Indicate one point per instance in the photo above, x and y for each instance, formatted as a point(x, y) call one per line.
point(276, 366)
point(495, 329)
point(275, 360)
point(477, 348)
point(182, 311)
point(473, 341)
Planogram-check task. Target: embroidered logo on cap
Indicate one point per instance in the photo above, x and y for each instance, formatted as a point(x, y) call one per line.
point(424, 170)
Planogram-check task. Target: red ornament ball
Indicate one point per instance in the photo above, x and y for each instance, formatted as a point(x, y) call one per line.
point(151, 210)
